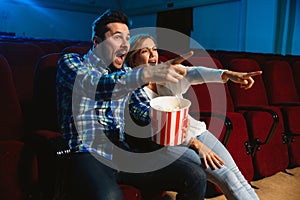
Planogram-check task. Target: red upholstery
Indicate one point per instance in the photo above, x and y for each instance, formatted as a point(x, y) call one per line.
point(165, 54)
point(262, 58)
point(271, 155)
point(296, 72)
point(10, 153)
point(17, 163)
point(282, 92)
point(63, 44)
point(48, 47)
point(11, 114)
point(22, 58)
point(279, 82)
point(215, 98)
point(226, 56)
point(130, 193)
point(45, 92)
point(77, 49)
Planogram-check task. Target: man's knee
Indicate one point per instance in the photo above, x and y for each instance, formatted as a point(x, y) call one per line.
point(196, 178)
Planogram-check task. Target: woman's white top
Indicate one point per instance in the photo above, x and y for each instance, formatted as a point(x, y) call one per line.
point(194, 76)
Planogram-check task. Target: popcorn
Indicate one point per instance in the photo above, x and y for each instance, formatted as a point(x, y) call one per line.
point(169, 118)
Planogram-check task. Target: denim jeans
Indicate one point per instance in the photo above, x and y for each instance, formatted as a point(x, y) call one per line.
point(91, 179)
point(229, 178)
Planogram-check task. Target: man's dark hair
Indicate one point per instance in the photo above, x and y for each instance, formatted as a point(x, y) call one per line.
point(109, 16)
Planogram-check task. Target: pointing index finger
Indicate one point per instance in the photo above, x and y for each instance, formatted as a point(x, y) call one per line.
point(256, 73)
point(181, 58)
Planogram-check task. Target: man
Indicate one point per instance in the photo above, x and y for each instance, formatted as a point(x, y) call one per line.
point(91, 96)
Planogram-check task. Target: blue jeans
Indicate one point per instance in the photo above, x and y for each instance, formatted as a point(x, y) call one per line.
point(91, 179)
point(229, 178)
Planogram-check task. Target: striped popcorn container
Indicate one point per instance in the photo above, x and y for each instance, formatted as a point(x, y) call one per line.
point(169, 116)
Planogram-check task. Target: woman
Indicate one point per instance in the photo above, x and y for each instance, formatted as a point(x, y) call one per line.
point(209, 152)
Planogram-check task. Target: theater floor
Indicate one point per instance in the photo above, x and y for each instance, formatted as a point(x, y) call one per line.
point(277, 187)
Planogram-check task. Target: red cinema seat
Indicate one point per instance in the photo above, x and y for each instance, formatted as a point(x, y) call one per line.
point(265, 123)
point(212, 103)
point(296, 72)
point(226, 56)
point(22, 58)
point(45, 92)
point(48, 47)
point(18, 170)
point(282, 92)
point(262, 58)
point(279, 82)
point(77, 49)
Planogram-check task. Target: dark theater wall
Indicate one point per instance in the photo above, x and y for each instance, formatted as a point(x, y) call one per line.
point(267, 26)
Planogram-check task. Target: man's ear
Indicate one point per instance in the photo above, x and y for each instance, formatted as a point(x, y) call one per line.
point(96, 40)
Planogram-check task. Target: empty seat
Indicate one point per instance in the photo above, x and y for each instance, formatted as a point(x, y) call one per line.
point(296, 72)
point(22, 58)
point(262, 58)
point(11, 121)
point(282, 92)
point(215, 98)
point(265, 123)
point(279, 82)
point(212, 103)
point(17, 163)
point(226, 56)
point(48, 47)
point(77, 49)
point(45, 92)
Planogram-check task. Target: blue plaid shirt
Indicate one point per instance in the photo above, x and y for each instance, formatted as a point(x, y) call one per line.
point(139, 107)
point(91, 99)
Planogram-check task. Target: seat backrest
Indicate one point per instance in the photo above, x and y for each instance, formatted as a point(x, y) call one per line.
point(279, 82)
point(209, 96)
point(272, 156)
point(296, 72)
point(22, 58)
point(44, 97)
point(216, 98)
point(11, 114)
point(257, 95)
point(77, 49)
point(227, 56)
point(48, 47)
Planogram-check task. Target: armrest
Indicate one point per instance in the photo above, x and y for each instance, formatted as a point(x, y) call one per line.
point(255, 144)
point(54, 160)
point(52, 140)
point(287, 104)
point(227, 123)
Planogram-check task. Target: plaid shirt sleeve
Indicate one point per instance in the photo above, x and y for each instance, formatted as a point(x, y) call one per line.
point(139, 107)
point(96, 82)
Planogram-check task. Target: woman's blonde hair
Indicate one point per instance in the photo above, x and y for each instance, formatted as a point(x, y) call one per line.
point(135, 46)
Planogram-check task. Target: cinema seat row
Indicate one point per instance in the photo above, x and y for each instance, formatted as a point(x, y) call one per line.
point(33, 155)
point(260, 127)
point(265, 129)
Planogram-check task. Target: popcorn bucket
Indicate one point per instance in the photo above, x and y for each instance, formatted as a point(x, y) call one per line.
point(168, 119)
